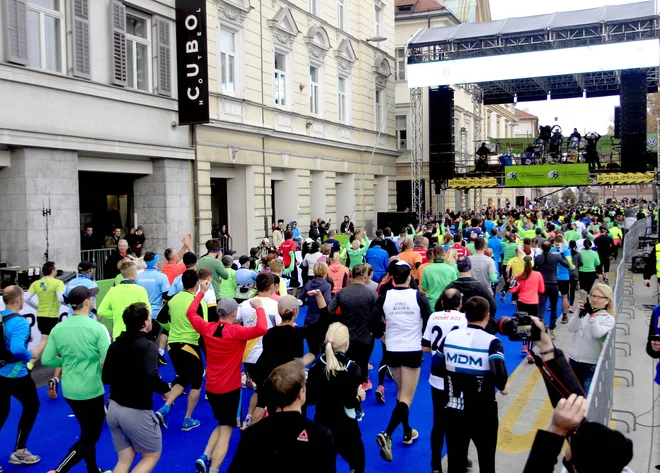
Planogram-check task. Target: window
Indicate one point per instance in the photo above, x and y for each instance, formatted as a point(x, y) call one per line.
point(342, 99)
point(313, 7)
point(227, 60)
point(401, 132)
point(400, 72)
point(138, 51)
point(379, 109)
point(341, 14)
point(314, 90)
point(45, 26)
point(378, 20)
point(280, 78)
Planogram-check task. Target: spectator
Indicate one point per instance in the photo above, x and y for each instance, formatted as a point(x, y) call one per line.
point(88, 240)
point(136, 240)
point(112, 241)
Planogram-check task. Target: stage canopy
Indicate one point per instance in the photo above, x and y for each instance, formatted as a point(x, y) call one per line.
point(563, 54)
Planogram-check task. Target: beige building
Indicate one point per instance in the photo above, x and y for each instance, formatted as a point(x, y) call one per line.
point(298, 96)
point(498, 121)
point(528, 125)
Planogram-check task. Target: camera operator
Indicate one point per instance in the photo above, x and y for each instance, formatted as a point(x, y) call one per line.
point(585, 453)
point(472, 361)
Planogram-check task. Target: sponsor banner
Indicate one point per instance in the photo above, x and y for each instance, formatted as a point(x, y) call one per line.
point(547, 175)
point(625, 178)
point(192, 62)
point(472, 182)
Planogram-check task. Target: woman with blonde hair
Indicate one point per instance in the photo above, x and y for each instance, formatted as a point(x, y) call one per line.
point(338, 273)
point(589, 328)
point(451, 256)
point(356, 253)
point(334, 384)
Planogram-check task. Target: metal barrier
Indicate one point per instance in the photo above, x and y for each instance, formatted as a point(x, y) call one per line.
point(601, 394)
point(99, 258)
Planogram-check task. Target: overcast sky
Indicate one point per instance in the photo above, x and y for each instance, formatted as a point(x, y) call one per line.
point(584, 114)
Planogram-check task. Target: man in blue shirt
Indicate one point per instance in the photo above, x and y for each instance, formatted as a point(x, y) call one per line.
point(190, 260)
point(378, 258)
point(85, 278)
point(495, 244)
point(336, 246)
point(563, 274)
point(489, 224)
point(155, 282)
point(15, 379)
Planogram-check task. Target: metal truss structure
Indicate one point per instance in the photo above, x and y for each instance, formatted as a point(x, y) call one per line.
point(417, 152)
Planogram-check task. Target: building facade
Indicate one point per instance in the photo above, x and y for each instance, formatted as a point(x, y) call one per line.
point(302, 109)
point(497, 121)
point(89, 132)
point(528, 124)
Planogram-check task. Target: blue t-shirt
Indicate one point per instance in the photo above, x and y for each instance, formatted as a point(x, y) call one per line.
point(475, 230)
point(177, 286)
point(156, 283)
point(489, 224)
point(245, 277)
point(379, 259)
point(17, 337)
point(563, 274)
point(84, 281)
point(495, 244)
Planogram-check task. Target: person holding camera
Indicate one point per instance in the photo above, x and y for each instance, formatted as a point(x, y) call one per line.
point(589, 328)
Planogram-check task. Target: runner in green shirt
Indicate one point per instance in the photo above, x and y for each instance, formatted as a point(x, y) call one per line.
point(228, 287)
point(212, 260)
point(437, 276)
point(79, 344)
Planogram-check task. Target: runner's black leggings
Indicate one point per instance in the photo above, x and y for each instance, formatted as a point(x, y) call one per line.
point(24, 390)
point(90, 414)
point(382, 368)
point(348, 442)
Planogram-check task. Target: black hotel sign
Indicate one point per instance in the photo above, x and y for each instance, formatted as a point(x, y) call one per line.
point(192, 62)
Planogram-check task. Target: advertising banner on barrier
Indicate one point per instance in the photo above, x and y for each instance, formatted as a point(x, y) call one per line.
point(472, 183)
point(625, 178)
point(547, 175)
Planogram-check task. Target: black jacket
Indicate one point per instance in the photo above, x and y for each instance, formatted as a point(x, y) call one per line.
point(131, 370)
point(469, 286)
point(546, 264)
point(285, 441)
point(545, 450)
point(346, 227)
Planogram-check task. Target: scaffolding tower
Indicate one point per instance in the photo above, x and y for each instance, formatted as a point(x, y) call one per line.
point(477, 120)
point(417, 152)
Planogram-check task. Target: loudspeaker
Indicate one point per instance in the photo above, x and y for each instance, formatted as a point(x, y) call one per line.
point(396, 220)
point(633, 120)
point(617, 122)
point(442, 153)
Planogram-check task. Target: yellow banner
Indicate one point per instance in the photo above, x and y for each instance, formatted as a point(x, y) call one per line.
point(625, 178)
point(472, 182)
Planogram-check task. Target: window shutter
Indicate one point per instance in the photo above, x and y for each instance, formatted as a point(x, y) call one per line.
point(15, 31)
point(81, 54)
point(119, 44)
point(163, 57)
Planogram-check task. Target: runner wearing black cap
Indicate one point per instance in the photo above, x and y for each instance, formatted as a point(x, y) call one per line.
point(402, 314)
point(80, 344)
point(225, 345)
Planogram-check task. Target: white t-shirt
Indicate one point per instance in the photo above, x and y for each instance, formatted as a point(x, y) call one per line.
point(439, 325)
point(403, 320)
point(310, 260)
point(247, 317)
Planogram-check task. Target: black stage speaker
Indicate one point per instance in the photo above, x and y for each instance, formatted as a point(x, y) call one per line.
point(396, 220)
point(617, 122)
point(633, 120)
point(442, 157)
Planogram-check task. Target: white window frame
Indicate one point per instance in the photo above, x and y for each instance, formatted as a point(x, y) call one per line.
point(148, 42)
point(316, 88)
point(42, 11)
point(315, 7)
point(238, 59)
point(400, 64)
point(378, 109)
point(288, 89)
point(378, 21)
point(342, 14)
point(398, 135)
point(344, 96)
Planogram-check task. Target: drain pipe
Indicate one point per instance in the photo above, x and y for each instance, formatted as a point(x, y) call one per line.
point(193, 130)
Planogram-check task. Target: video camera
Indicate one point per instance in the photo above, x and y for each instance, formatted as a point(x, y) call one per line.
point(519, 327)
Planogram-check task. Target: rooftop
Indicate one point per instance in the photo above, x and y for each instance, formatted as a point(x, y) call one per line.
point(417, 6)
point(523, 115)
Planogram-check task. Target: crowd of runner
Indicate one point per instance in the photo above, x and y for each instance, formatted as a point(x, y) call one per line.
point(230, 324)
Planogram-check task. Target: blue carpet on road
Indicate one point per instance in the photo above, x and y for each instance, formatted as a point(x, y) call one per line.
point(56, 428)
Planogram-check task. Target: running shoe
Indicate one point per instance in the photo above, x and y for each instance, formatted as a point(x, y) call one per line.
point(552, 335)
point(367, 386)
point(247, 422)
point(52, 388)
point(162, 414)
point(161, 360)
point(202, 464)
point(524, 350)
point(409, 438)
point(503, 298)
point(571, 309)
point(359, 415)
point(370, 366)
point(385, 443)
point(564, 319)
point(25, 458)
point(530, 358)
point(189, 424)
point(380, 394)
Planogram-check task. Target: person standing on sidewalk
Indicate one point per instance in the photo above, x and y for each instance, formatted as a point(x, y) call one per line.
point(15, 379)
point(131, 371)
point(80, 344)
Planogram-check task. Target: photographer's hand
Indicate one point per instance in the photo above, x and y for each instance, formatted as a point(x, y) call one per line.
point(655, 346)
point(545, 342)
point(568, 415)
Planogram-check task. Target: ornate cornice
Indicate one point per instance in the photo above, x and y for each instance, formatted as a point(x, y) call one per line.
point(232, 11)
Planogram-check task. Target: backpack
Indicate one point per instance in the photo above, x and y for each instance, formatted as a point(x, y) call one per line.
point(6, 356)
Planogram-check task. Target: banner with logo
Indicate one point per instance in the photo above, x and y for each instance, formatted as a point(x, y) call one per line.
point(625, 178)
point(192, 62)
point(547, 175)
point(472, 183)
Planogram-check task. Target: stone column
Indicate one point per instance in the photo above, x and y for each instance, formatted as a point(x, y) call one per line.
point(36, 179)
point(163, 203)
